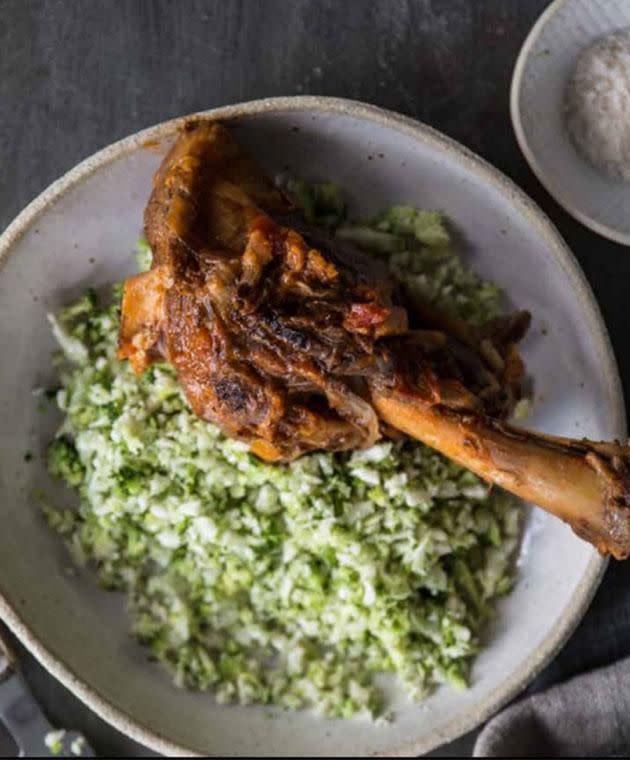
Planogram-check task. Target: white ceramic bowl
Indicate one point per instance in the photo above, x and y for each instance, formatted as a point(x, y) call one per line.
point(80, 232)
point(537, 104)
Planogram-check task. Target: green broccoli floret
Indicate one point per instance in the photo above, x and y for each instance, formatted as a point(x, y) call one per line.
point(371, 239)
point(144, 256)
point(117, 294)
point(321, 202)
point(64, 462)
point(54, 742)
point(427, 227)
point(85, 305)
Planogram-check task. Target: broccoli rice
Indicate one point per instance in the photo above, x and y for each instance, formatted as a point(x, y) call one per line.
point(291, 585)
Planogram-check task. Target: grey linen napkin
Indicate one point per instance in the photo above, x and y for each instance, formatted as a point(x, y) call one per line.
point(588, 716)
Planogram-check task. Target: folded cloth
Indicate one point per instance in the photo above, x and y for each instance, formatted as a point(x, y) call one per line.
point(588, 716)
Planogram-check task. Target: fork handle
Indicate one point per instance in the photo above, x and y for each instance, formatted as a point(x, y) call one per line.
point(8, 659)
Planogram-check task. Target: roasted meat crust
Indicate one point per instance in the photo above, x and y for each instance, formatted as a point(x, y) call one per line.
point(292, 341)
point(271, 337)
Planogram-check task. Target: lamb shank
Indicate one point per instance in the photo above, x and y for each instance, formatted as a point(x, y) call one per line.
point(293, 341)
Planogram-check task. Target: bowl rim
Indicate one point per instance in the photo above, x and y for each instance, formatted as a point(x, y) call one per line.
point(601, 228)
point(421, 133)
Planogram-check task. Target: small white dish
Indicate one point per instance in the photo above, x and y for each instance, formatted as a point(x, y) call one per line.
point(537, 104)
point(81, 232)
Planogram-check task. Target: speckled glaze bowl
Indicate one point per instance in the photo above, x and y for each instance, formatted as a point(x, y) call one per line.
point(80, 232)
point(537, 103)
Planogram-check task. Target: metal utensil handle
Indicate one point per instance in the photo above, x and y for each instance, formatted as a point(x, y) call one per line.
point(7, 658)
point(19, 712)
point(23, 718)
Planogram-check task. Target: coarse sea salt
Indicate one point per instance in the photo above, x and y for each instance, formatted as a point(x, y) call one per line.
point(598, 104)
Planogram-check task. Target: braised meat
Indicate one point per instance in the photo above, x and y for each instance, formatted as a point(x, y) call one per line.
point(270, 336)
point(293, 342)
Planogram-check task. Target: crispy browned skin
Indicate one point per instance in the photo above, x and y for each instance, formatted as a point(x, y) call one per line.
point(293, 342)
point(270, 337)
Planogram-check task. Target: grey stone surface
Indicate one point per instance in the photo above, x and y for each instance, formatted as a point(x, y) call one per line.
point(77, 74)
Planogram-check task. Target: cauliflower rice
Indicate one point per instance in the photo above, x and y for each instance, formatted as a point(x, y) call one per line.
point(291, 585)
